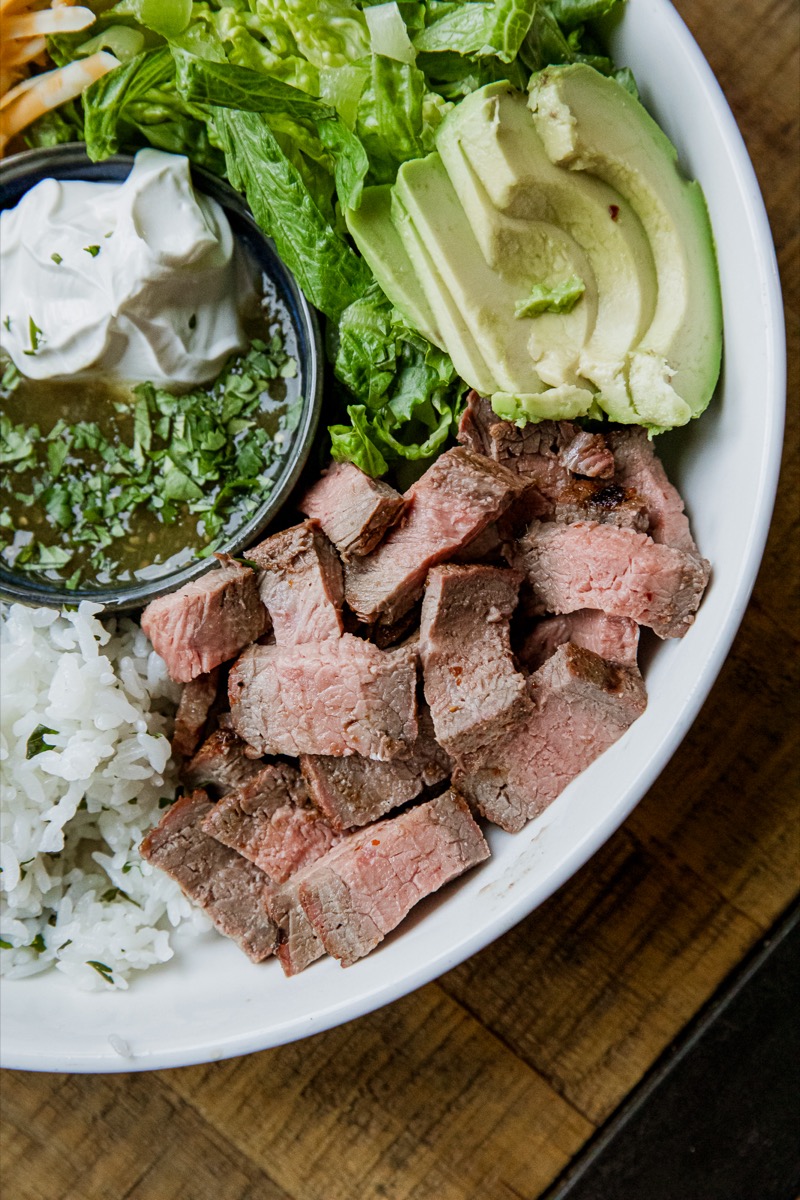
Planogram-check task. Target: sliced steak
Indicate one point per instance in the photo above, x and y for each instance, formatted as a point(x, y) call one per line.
point(207, 621)
point(456, 498)
point(229, 888)
point(638, 467)
point(588, 454)
point(298, 945)
point(367, 884)
point(270, 820)
point(197, 697)
point(616, 639)
point(389, 635)
point(354, 791)
point(354, 510)
point(581, 706)
point(334, 697)
point(472, 685)
point(488, 545)
point(301, 584)
point(475, 426)
point(548, 455)
point(606, 503)
point(221, 764)
point(619, 571)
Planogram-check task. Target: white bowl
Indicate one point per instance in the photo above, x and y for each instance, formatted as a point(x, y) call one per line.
point(209, 1002)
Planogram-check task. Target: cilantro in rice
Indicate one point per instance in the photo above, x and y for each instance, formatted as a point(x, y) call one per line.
point(85, 714)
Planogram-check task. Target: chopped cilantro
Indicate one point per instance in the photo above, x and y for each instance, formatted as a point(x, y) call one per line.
point(102, 970)
point(201, 458)
point(57, 259)
point(7, 323)
point(93, 250)
point(38, 944)
point(4, 945)
point(10, 379)
point(113, 892)
point(561, 298)
point(35, 334)
point(36, 743)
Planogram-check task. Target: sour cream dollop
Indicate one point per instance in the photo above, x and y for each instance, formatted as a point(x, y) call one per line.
point(141, 280)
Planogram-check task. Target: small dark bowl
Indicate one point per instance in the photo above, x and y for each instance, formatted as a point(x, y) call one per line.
point(18, 175)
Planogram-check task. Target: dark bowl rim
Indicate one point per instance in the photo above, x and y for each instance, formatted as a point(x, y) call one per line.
point(128, 597)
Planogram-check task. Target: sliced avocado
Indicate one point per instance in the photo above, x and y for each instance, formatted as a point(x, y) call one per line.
point(590, 123)
point(457, 337)
point(491, 135)
point(523, 355)
point(555, 404)
point(376, 237)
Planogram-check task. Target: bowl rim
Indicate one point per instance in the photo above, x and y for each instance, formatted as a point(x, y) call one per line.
point(130, 597)
point(466, 942)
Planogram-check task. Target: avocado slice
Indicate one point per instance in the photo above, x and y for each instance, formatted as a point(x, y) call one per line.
point(590, 123)
point(523, 355)
point(371, 228)
point(457, 337)
point(491, 135)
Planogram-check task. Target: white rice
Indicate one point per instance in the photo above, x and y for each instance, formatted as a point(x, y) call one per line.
point(73, 889)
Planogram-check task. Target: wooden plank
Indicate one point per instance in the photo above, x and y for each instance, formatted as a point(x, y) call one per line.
point(594, 984)
point(116, 1137)
point(727, 803)
point(415, 1102)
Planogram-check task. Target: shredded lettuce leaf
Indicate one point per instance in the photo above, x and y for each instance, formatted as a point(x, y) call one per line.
point(329, 272)
point(410, 396)
point(478, 30)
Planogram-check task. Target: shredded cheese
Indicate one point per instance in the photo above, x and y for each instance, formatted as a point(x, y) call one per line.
point(58, 20)
point(24, 98)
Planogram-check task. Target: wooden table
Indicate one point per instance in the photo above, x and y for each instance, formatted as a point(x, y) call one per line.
point(487, 1083)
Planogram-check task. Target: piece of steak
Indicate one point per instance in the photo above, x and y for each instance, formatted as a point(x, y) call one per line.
point(197, 697)
point(638, 467)
point(220, 764)
point(616, 639)
point(606, 503)
point(448, 506)
point(271, 821)
point(334, 697)
point(547, 453)
point(301, 584)
point(472, 685)
point(354, 791)
point(581, 706)
point(475, 426)
point(207, 621)
point(384, 636)
point(231, 890)
point(488, 545)
point(366, 885)
point(589, 455)
point(354, 510)
point(298, 945)
point(620, 571)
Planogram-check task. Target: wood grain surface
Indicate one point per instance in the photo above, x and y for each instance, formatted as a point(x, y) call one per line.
point(486, 1083)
